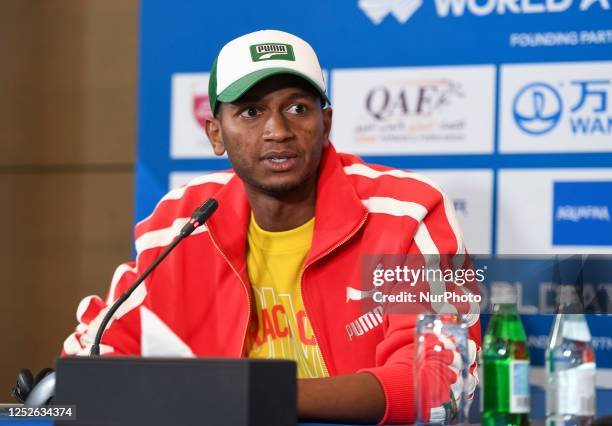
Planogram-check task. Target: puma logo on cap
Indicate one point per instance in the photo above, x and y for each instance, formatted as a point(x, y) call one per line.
point(269, 51)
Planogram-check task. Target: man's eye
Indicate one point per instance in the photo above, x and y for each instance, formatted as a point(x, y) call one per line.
point(297, 109)
point(249, 112)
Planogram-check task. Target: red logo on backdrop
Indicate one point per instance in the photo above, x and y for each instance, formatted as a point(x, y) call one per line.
point(201, 110)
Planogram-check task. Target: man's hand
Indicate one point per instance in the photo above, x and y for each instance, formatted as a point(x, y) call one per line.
point(352, 398)
point(439, 380)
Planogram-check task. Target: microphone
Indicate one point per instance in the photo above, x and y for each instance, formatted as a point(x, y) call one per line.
point(198, 218)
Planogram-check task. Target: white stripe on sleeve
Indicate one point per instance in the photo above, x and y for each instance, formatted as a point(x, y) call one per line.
point(163, 237)
point(72, 345)
point(395, 207)
point(368, 172)
point(119, 272)
point(177, 193)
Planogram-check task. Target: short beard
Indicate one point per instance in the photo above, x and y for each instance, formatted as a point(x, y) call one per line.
point(282, 190)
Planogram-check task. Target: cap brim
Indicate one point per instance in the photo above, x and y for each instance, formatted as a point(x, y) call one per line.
point(235, 90)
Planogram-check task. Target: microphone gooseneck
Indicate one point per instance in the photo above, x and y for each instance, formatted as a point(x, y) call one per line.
point(198, 218)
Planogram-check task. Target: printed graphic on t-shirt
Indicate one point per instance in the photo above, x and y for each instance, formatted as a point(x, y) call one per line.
point(279, 327)
point(281, 330)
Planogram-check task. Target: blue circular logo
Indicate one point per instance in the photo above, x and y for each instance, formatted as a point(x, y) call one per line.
point(537, 108)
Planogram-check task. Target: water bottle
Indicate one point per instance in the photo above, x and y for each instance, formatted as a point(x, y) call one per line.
point(570, 365)
point(441, 346)
point(506, 362)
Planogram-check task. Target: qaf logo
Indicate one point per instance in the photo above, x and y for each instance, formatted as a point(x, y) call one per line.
point(537, 108)
point(413, 98)
point(377, 10)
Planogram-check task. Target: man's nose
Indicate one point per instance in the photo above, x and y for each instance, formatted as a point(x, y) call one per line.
point(277, 128)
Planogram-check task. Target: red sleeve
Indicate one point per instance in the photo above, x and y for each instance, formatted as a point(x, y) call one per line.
point(438, 233)
point(121, 337)
point(152, 234)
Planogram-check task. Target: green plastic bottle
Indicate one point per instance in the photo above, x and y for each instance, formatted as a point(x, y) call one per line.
point(506, 363)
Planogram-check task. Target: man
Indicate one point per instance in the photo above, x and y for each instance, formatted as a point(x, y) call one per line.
point(274, 272)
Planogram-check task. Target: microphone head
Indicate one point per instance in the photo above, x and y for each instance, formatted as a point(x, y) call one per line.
point(199, 216)
point(202, 213)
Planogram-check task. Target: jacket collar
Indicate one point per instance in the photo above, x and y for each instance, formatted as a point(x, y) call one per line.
point(338, 212)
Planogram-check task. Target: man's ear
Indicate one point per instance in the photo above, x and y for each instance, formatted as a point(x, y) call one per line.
point(215, 135)
point(327, 122)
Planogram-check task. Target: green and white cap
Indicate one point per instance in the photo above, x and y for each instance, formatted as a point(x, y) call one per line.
point(246, 60)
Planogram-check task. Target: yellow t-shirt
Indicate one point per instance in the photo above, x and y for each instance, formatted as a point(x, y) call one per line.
point(279, 327)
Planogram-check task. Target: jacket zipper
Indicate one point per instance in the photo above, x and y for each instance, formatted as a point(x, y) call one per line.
point(314, 334)
point(248, 293)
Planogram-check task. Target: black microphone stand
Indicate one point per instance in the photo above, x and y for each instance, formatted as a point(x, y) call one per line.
point(199, 216)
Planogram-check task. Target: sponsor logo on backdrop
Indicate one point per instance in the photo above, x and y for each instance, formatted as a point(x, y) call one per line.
point(377, 10)
point(581, 213)
point(403, 10)
point(461, 206)
point(537, 108)
point(568, 109)
point(543, 211)
point(407, 110)
point(190, 109)
point(201, 109)
point(446, 8)
point(437, 110)
point(417, 98)
point(471, 192)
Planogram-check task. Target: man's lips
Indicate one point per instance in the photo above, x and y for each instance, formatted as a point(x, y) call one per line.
point(278, 155)
point(279, 161)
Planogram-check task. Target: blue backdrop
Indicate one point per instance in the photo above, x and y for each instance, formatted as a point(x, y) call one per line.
point(516, 124)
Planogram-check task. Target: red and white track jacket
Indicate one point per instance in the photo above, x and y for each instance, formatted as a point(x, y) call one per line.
point(198, 301)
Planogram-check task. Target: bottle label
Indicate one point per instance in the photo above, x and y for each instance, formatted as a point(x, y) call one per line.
point(519, 386)
point(576, 328)
point(576, 390)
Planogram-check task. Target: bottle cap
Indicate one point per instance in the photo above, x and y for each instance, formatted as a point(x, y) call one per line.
point(568, 300)
point(503, 294)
